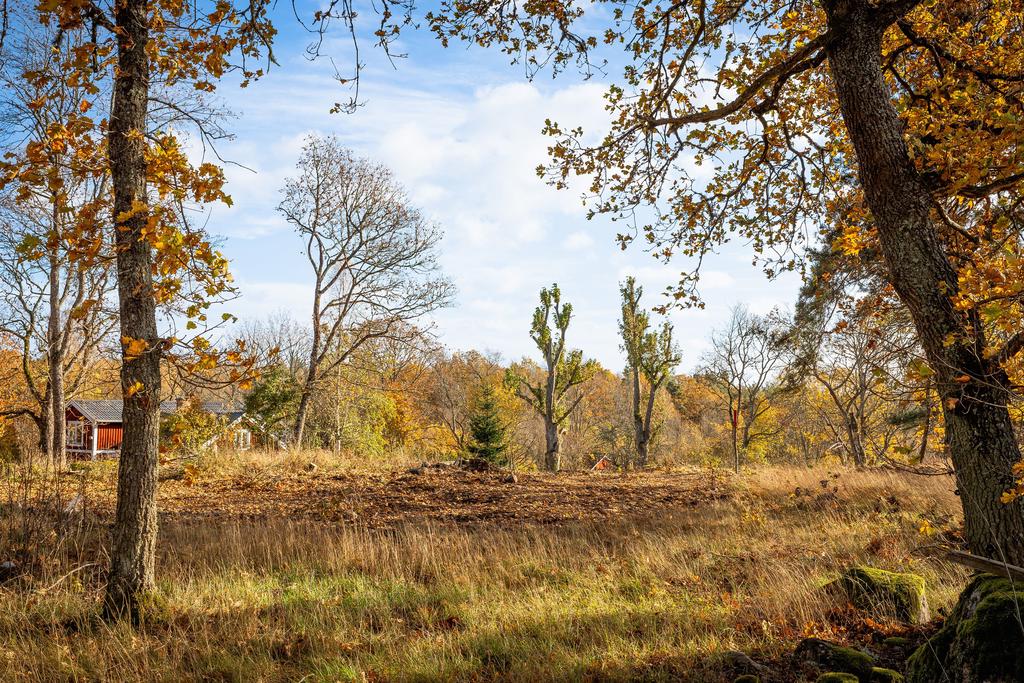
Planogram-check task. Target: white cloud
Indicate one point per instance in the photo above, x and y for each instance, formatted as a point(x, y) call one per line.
point(653, 277)
point(467, 153)
point(260, 298)
point(716, 279)
point(578, 241)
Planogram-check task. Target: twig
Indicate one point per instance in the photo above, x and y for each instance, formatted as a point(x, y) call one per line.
point(61, 579)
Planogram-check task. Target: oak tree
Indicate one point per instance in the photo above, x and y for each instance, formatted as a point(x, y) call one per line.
point(901, 117)
point(136, 50)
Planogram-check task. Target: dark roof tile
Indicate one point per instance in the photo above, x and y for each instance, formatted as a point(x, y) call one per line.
point(110, 410)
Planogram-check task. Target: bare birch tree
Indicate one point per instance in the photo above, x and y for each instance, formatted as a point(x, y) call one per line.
point(745, 358)
point(373, 257)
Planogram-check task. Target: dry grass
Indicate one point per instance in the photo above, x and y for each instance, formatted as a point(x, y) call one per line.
point(655, 594)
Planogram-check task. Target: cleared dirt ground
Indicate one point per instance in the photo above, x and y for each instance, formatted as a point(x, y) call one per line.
point(439, 495)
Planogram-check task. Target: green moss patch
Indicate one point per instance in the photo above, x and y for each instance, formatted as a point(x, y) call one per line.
point(882, 675)
point(833, 657)
point(982, 640)
point(837, 677)
point(887, 593)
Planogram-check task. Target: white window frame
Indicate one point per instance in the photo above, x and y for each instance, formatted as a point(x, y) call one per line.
point(75, 433)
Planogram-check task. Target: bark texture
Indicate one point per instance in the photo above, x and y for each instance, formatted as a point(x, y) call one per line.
point(553, 446)
point(979, 431)
point(640, 434)
point(133, 545)
point(55, 360)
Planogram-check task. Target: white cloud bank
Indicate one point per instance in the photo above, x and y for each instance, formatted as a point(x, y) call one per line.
point(468, 156)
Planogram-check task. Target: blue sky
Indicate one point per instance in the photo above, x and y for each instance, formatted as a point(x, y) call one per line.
point(461, 130)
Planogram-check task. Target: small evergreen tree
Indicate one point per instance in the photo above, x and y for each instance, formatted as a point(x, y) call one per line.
point(489, 440)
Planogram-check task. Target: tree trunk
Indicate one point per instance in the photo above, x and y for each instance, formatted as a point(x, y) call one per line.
point(638, 421)
point(45, 425)
point(133, 546)
point(734, 418)
point(302, 411)
point(310, 384)
point(854, 434)
point(647, 430)
point(552, 451)
point(56, 413)
point(979, 431)
point(311, 372)
point(55, 360)
point(642, 449)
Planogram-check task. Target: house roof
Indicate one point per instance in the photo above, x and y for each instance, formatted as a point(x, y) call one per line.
point(110, 410)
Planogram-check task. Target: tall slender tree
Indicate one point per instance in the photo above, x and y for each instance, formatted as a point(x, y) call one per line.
point(652, 356)
point(142, 50)
point(133, 546)
point(558, 393)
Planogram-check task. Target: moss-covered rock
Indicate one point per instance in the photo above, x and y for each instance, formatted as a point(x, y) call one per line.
point(748, 678)
point(886, 593)
point(982, 639)
point(896, 641)
point(882, 675)
point(837, 677)
point(833, 657)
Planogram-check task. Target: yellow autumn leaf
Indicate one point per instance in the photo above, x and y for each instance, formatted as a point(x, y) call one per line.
point(133, 348)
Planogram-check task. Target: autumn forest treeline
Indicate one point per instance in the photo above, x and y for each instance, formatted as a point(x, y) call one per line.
point(846, 386)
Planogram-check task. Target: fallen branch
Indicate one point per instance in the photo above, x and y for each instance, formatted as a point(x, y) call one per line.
point(984, 564)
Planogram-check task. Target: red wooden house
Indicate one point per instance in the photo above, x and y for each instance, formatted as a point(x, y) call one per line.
point(94, 427)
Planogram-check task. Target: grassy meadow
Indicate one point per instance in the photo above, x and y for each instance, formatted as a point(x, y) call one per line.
point(622, 591)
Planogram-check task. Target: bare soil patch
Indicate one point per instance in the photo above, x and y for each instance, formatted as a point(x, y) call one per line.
point(439, 495)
